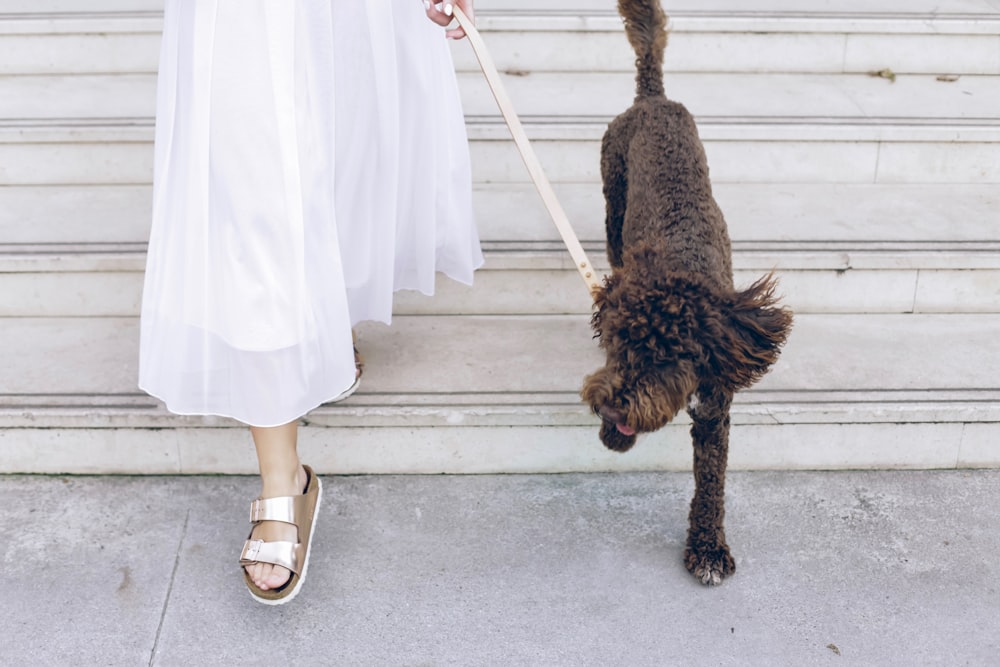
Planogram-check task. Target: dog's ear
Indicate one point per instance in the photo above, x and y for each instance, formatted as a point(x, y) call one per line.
point(754, 329)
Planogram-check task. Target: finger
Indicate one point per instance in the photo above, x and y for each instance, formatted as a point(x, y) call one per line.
point(459, 32)
point(435, 12)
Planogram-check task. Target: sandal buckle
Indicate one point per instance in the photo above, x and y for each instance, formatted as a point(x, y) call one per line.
point(251, 549)
point(256, 511)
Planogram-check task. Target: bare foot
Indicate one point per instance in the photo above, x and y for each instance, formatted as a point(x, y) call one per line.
point(265, 575)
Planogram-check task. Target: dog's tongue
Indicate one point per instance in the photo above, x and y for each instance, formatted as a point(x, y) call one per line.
point(624, 429)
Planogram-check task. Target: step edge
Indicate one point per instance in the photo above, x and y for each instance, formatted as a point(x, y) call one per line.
point(551, 256)
point(573, 129)
point(493, 21)
point(753, 407)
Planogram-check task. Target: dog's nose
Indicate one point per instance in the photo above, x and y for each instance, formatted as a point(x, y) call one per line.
point(611, 415)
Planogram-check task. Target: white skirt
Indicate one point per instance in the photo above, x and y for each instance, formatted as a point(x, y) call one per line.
point(311, 159)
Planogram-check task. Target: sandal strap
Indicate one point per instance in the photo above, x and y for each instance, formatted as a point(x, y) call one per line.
point(284, 508)
point(285, 554)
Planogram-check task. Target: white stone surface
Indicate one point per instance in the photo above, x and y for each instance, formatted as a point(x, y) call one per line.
point(946, 54)
point(78, 96)
point(75, 214)
point(461, 450)
point(536, 354)
point(763, 153)
point(802, 7)
point(580, 37)
point(70, 294)
point(97, 51)
point(868, 196)
point(949, 292)
point(766, 212)
point(844, 292)
point(938, 163)
point(584, 94)
point(505, 290)
point(792, 212)
point(801, 159)
point(848, 446)
point(933, 7)
point(81, 162)
point(980, 447)
point(774, 46)
point(35, 7)
point(92, 451)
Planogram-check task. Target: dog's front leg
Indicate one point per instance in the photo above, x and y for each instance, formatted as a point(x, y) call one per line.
point(707, 555)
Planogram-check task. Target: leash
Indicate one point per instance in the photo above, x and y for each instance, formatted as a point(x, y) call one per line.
point(527, 152)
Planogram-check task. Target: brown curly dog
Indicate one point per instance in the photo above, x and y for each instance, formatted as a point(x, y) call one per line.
point(677, 334)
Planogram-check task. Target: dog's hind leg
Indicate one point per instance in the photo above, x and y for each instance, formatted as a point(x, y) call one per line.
point(707, 555)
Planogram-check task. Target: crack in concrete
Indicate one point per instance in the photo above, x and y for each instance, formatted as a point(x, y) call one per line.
point(170, 588)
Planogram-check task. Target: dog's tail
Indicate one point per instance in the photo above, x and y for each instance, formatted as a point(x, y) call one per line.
point(645, 26)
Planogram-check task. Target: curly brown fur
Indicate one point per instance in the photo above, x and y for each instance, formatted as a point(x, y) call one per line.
point(675, 331)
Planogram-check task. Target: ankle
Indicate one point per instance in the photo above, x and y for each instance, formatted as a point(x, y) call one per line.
point(283, 483)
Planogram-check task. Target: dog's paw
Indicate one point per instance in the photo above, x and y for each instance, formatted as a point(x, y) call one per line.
point(711, 566)
point(614, 439)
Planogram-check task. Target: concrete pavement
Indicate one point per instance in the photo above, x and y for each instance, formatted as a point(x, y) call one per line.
point(834, 568)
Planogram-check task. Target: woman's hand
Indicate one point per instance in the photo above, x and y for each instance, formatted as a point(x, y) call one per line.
point(441, 11)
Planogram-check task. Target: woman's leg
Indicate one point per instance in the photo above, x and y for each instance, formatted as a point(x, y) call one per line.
point(281, 474)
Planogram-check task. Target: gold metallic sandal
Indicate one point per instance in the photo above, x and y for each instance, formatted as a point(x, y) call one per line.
point(301, 512)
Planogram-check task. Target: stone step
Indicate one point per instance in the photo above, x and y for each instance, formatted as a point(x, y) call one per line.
point(755, 212)
point(862, 8)
point(931, 38)
point(499, 394)
point(106, 281)
point(761, 150)
point(872, 197)
point(838, 248)
point(735, 40)
point(850, 99)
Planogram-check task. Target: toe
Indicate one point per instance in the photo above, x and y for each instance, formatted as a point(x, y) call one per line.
point(275, 577)
point(266, 576)
point(258, 573)
point(253, 571)
point(263, 580)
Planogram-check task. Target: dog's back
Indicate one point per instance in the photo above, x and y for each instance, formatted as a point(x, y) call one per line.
point(656, 180)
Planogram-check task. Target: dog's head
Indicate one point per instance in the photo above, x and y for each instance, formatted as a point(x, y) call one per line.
point(668, 337)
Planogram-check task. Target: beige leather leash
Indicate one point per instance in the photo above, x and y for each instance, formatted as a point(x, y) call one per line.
point(527, 152)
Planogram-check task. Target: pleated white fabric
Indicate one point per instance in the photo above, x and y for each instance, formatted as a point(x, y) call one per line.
point(311, 159)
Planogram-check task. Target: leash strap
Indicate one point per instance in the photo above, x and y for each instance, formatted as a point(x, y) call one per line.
point(527, 152)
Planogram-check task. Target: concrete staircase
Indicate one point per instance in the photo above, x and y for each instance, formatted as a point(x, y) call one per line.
point(855, 149)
